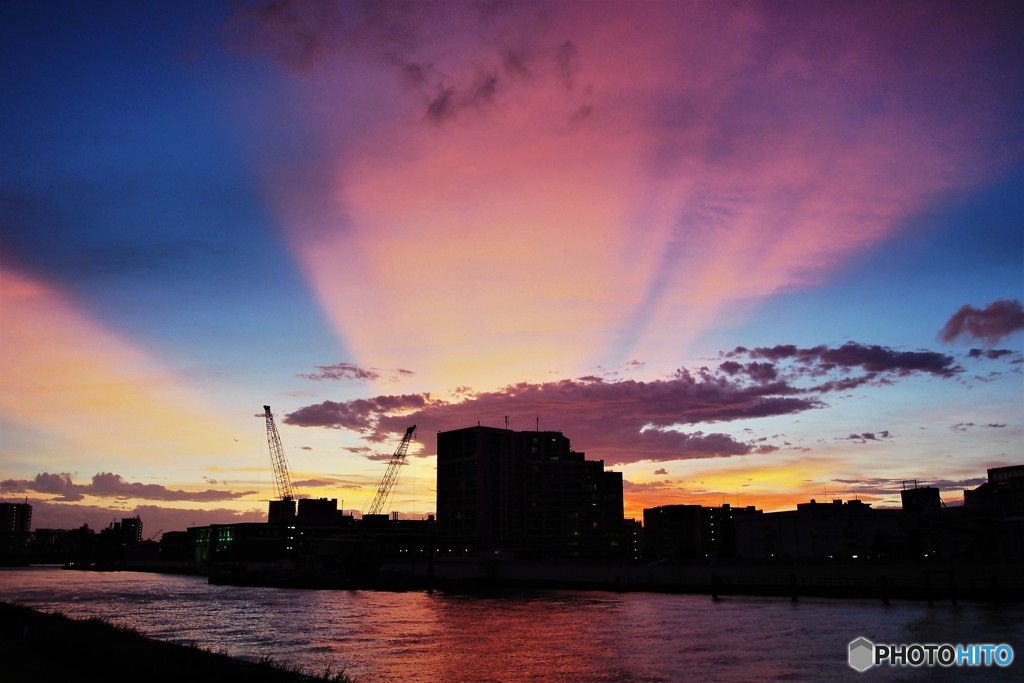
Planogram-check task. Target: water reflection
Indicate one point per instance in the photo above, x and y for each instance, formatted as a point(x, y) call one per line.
point(541, 635)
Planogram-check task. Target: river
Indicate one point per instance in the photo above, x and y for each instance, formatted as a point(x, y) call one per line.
point(523, 635)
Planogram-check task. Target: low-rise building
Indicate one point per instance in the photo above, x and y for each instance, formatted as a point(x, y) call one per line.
point(693, 532)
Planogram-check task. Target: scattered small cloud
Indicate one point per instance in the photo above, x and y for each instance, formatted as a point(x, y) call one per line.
point(996, 321)
point(348, 483)
point(584, 112)
point(325, 482)
point(354, 373)
point(449, 101)
point(631, 487)
point(378, 456)
point(303, 36)
point(661, 470)
point(991, 354)
point(864, 437)
point(342, 371)
point(967, 426)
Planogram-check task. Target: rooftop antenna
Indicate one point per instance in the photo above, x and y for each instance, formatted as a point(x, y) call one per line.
point(506, 422)
point(538, 423)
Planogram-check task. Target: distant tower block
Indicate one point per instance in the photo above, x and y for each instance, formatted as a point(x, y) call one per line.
point(15, 518)
point(921, 501)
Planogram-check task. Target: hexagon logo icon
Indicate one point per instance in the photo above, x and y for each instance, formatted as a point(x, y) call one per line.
point(862, 654)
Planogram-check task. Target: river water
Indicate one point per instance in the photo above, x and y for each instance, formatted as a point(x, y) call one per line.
point(523, 635)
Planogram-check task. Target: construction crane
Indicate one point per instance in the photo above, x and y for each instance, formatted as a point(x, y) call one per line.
point(391, 475)
point(282, 479)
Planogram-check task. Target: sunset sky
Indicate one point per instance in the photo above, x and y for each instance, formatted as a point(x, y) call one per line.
point(743, 252)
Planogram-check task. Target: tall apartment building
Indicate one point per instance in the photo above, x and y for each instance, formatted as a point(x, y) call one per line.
point(525, 492)
point(15, 518)
point(997, 508)
point(15, 526)
point(1002, 496)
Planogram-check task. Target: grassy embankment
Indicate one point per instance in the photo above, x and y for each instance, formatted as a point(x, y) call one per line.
point(39, 646)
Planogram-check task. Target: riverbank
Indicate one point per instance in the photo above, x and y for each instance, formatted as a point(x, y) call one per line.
point(884, 581)
point(42, 646)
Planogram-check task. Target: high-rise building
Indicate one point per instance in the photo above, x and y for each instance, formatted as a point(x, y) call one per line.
point(15, 518)
point(997, 507)
point(525, 492)
point(921, 501)
point(282, 512)
point(1002, 496)
point(15, 523)
point(131, 529)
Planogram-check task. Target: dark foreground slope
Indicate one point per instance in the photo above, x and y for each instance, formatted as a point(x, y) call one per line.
point(37, 646)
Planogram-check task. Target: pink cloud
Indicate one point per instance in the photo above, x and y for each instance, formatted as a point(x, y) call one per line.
point(872, 359)
point(629, 421)
point(624, 421)
point(357, 414)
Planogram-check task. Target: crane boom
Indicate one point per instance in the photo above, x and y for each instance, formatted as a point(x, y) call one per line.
point(282, 478)
point(391, 474)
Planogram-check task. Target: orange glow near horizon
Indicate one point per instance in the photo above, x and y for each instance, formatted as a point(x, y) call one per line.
point(103, 398)
point(743, 481)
